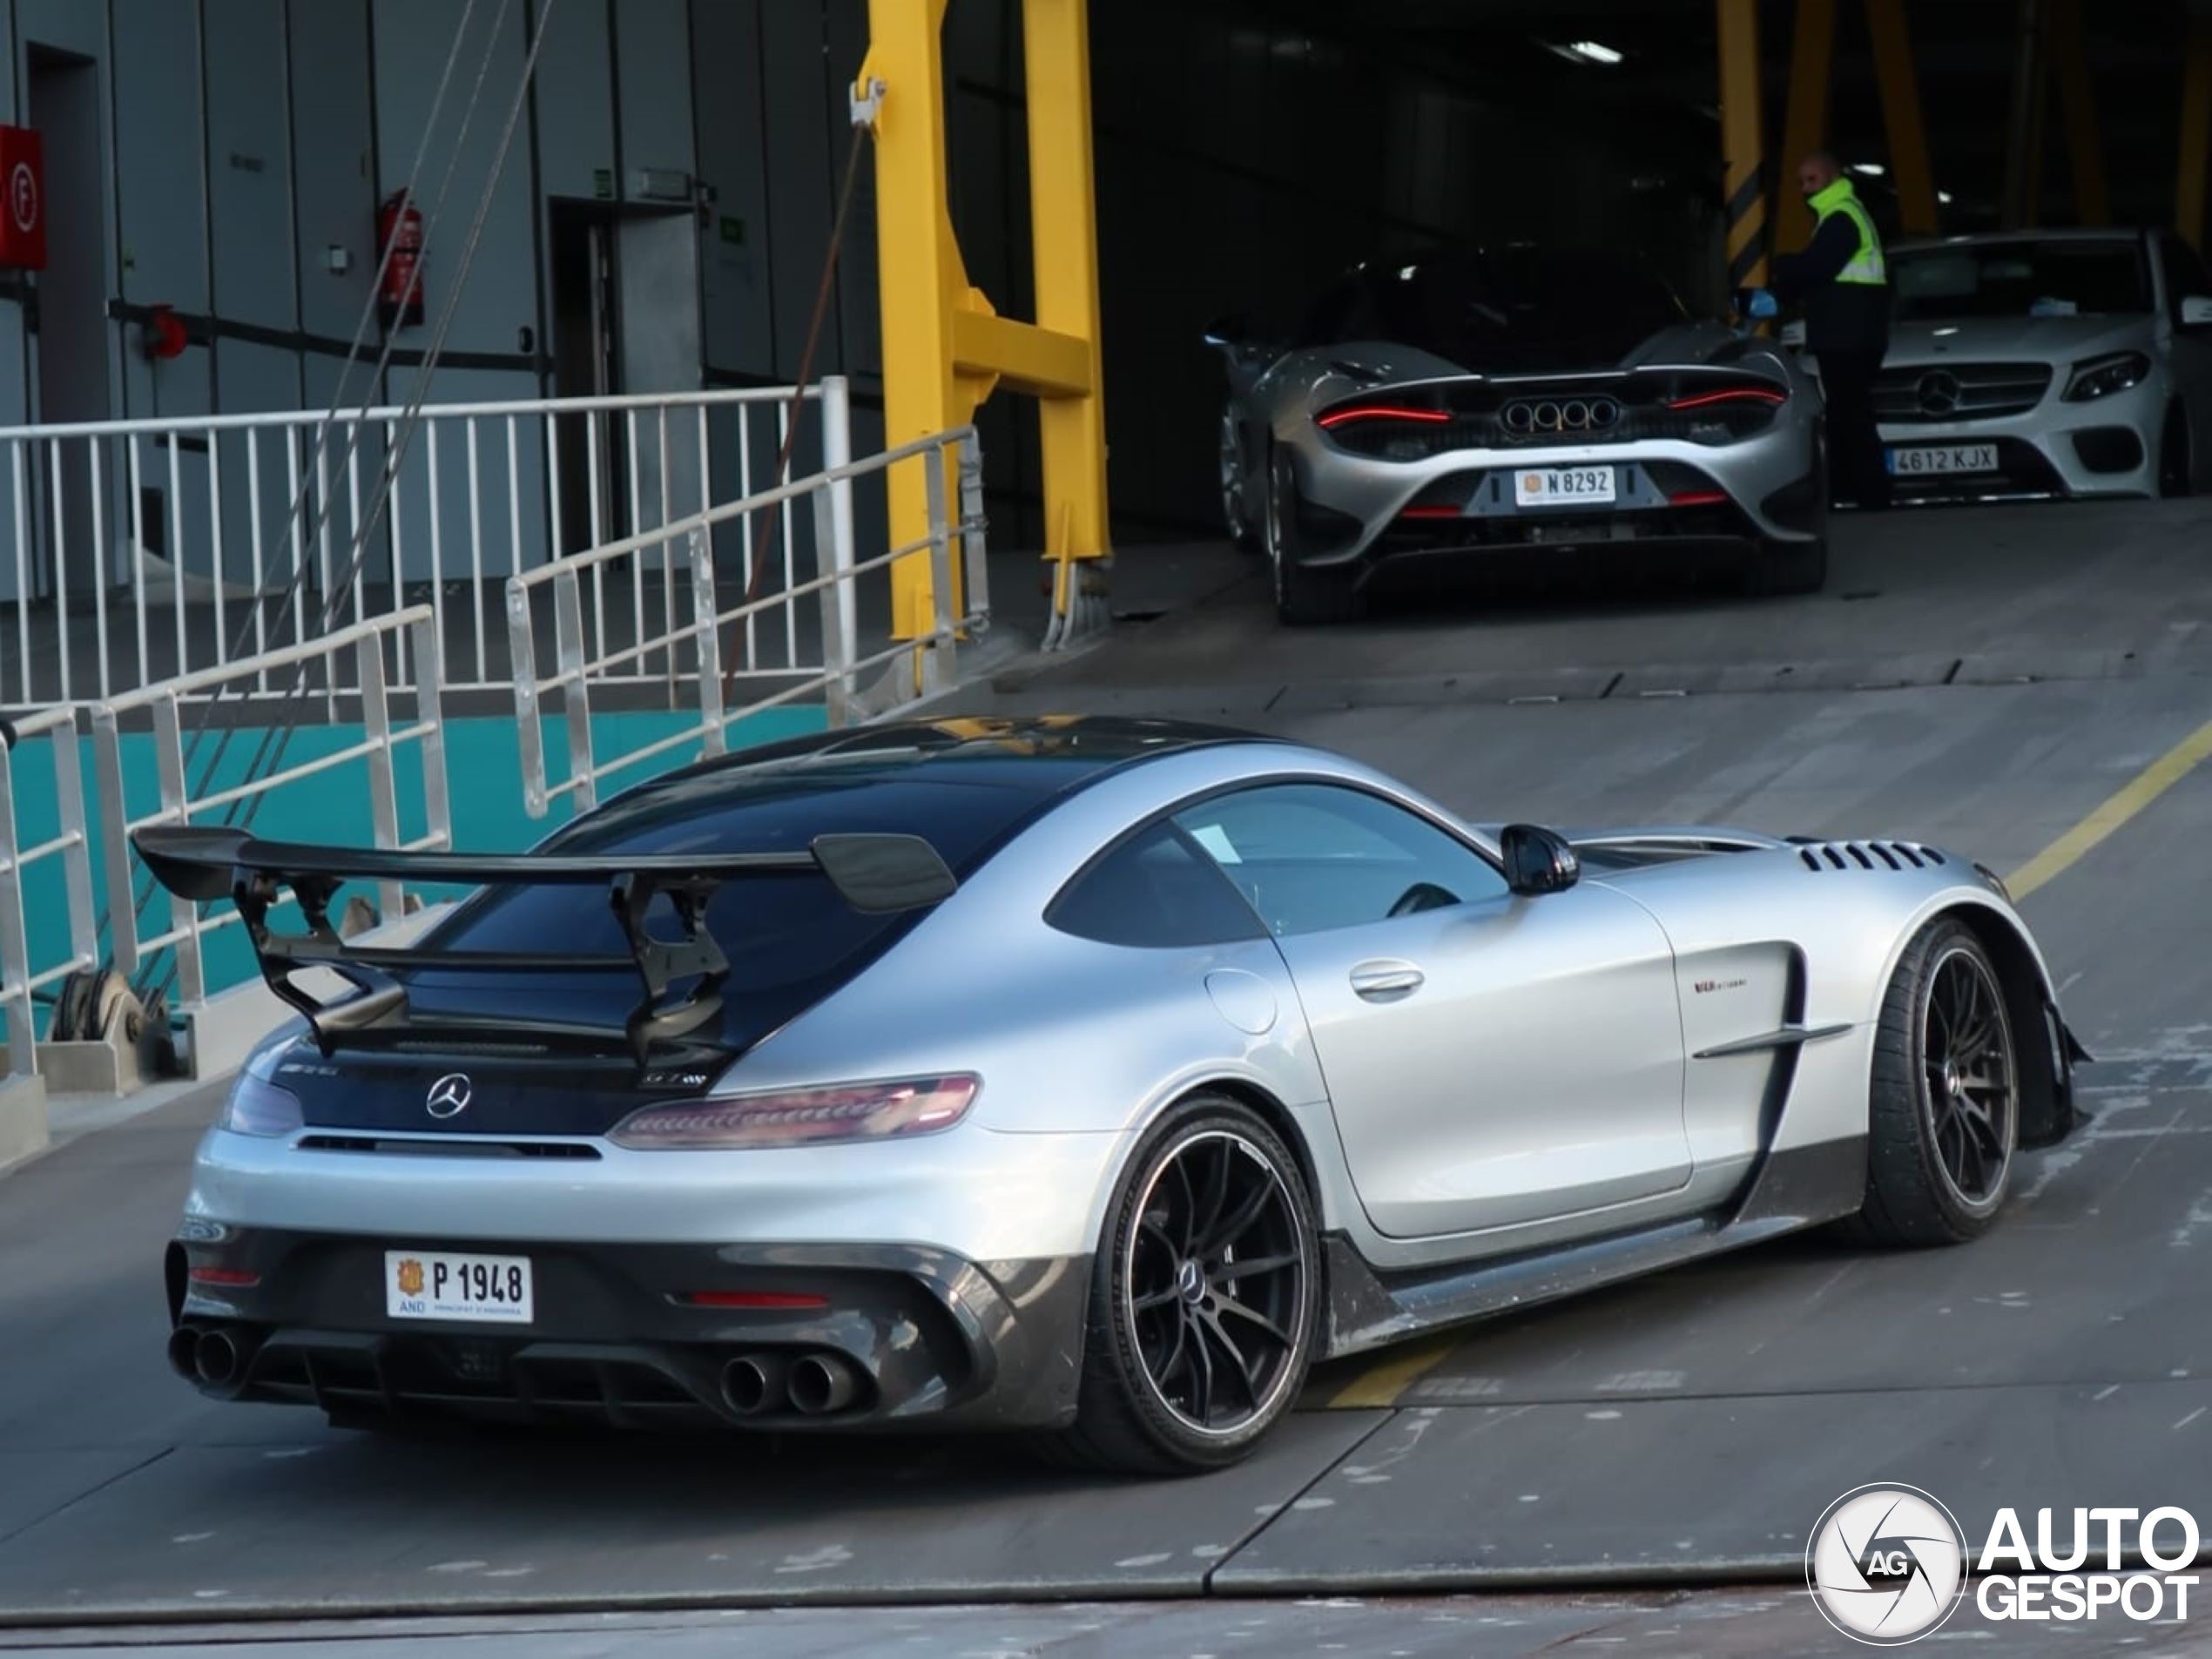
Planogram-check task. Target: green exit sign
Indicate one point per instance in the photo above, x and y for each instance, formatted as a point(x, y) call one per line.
point(602, 183)
point(733, 230)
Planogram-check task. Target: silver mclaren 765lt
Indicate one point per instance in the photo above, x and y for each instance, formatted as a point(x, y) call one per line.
point(1087, 1078)
point(1534, 402)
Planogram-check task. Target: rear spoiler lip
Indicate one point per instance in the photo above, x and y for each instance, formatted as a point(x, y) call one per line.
point(875, 873)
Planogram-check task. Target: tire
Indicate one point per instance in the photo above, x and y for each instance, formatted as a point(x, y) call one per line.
point(1139, 1406)
point(1240, 533)
point(1788, 567)
point(1922, 1102)
point(1305, 597)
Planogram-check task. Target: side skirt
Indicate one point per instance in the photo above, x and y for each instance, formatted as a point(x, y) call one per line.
point(1802, 1187)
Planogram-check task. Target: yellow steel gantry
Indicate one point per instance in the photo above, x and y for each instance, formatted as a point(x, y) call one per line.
point(945, 346)
point(2196, 130)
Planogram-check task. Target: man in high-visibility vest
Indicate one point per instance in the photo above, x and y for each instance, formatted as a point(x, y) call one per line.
point(1842, 280)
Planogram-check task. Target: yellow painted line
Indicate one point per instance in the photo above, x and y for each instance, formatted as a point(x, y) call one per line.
point(2138, 793)
point(1382, 1385)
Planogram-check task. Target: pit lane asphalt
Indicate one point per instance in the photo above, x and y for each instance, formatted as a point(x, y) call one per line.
point(2003, 672)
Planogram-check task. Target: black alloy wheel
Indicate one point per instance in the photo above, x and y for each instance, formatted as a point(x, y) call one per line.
point(1971, 1082)
point(1944, 1099)
point(1206, 1298)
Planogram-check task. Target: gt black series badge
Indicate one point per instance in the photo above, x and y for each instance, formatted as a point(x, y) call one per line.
point(449, 1096)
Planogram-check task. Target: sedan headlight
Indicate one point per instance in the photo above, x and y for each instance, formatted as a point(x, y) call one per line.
point(2095, 377)
point(800, 1116)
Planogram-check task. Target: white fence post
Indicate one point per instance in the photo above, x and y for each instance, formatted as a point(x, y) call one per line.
point(575, 683)
point(384, 798)
point(522, 652)
point(976, 599)
point(115, 837)
point(14, 947)
point(937, 662)
point(176, 808)
point(706, 624)
point(430, 714)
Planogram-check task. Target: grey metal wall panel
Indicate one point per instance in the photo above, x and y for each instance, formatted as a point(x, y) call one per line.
point(334, 174)
point(858, 320)
point(499, 296)
point(658, 255)
point(249, 162)
point(160, 156)
point(800, 184)
point(652, 59)
point(737, 307)
point(576, 114)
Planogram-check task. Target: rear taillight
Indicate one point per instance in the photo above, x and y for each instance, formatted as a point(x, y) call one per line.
point(1336, 418)
point(259, 1107)
point(801, 1116)
point(1698, 498)
point(1729, 394)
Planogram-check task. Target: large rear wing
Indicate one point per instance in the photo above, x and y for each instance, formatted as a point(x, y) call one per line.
point(877, 874)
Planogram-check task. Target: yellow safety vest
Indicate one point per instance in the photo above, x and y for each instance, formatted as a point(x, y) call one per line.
point(1866, 264)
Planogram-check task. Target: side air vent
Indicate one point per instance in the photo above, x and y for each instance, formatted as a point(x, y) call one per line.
point(1822, 856)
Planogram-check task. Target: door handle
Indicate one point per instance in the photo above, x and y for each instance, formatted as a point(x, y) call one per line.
point(1377, 979)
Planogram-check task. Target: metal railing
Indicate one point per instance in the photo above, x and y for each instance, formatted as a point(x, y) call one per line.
point(143, 550)
point(20, 976)
point(368, 642)
point(689, 652)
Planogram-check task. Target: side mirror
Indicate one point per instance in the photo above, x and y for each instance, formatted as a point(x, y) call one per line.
point(1538, 860)
point(2196, 311)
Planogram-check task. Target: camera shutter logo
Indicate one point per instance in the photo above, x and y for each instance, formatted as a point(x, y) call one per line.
point(1886, 1564)
point(449, 1096)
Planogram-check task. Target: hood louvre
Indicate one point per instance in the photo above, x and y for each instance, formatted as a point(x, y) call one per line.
point(1819, 857)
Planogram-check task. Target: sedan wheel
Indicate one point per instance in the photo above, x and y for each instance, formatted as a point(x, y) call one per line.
point(1943, 1112)
point(1205, 1298)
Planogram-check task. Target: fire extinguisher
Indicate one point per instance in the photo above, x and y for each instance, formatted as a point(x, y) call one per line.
point(399, 234)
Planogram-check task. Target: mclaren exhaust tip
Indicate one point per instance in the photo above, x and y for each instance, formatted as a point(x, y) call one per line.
point(754, 1383)
point(821, 1382)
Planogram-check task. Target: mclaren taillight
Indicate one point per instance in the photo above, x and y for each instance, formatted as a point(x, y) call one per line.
point(1766, 395)
point(801, 1116)
point(1336, 418)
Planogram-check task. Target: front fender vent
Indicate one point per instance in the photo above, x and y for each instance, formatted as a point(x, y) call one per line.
point(1821, 856)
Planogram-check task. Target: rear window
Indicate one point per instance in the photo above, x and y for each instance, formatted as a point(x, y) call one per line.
point(2022, 278)
point(790, 940)
point(1509, 308)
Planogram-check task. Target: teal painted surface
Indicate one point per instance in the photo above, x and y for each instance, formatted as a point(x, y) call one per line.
point(484, 783)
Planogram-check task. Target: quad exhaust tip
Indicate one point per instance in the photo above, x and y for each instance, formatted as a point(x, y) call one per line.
point(812, 1385)
point(216, 1359)
point(184, 1348)
point(821, 1382)
point(754, 1383)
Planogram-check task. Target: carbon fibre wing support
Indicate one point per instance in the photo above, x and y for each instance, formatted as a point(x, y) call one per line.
point(874, 874)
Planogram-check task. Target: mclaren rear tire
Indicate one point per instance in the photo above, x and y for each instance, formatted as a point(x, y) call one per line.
point(1305, 597)
point(1788, 567)
point(1943, 1095)
point(1204, 1304)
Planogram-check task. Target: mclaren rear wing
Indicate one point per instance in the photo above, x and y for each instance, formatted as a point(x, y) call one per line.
point(877, 874)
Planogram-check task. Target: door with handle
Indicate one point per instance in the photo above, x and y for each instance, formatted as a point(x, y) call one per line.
point(1492, 1060)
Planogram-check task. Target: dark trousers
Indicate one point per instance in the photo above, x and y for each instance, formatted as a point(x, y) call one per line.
point(1856, 470)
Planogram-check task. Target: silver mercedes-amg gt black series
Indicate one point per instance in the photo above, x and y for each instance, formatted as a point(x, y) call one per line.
point(1453, 406)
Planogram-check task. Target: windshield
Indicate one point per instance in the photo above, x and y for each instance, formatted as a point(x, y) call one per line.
point(1512, 307)
point(2023, 279)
